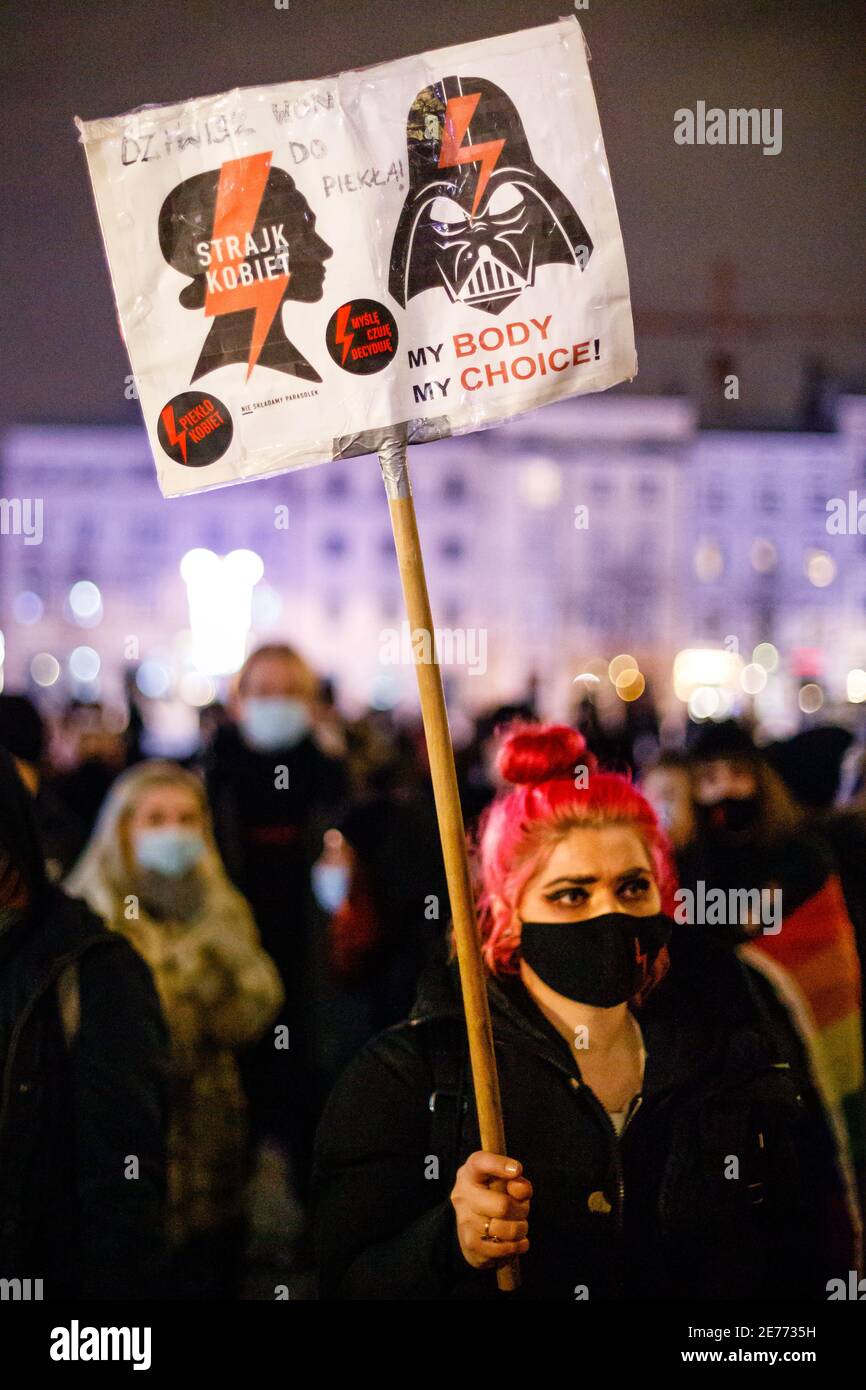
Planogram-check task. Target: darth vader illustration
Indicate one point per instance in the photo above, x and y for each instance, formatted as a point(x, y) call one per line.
point(247, 237)
point(480, 215)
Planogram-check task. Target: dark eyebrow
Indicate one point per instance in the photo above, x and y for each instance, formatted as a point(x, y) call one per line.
point(593, 878)
point(573, 878)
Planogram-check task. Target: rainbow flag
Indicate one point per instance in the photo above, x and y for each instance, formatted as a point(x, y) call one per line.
point(814, 967)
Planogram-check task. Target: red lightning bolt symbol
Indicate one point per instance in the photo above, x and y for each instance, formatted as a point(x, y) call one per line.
point(340, 334)
point(641, 958)
point(239, 197)
point(458, 114)
point(167, 418)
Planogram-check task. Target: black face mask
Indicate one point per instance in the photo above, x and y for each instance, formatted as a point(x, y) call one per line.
point(729, 818)
point(602, 961)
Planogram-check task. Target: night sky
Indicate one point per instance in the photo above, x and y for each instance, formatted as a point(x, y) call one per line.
point(789, 225)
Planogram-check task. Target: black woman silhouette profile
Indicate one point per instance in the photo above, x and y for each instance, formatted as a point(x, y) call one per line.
point(246, 236)
point(480, 215)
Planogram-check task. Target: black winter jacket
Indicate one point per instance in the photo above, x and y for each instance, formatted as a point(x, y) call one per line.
point(270, 834)
point(713, 1191)
point(78, 1100)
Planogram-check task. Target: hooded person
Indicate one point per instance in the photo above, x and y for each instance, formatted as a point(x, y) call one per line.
point(480, 215)
point(83, 1060)
point(631, 1068)
point(764, 882)
point(153, 871)
point(810, 764)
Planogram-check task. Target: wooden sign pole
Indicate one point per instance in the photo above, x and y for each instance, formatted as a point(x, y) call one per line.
point(395, 472)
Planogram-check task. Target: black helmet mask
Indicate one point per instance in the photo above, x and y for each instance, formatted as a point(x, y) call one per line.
point(480, 215)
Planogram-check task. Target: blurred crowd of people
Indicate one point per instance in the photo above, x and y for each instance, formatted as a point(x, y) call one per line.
point(285, 890)
point(190, 955)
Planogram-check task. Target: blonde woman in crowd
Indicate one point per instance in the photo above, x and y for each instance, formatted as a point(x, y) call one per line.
point(152, 871)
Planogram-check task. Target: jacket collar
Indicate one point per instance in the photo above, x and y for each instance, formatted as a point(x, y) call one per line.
point(682, 1039)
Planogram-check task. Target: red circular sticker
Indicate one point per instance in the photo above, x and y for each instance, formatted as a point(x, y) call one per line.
point(362, 336)
point(195, 429)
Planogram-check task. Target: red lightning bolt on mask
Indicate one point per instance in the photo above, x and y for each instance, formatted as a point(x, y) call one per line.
point(641, 959)
point(239, 197)
point(458, 114)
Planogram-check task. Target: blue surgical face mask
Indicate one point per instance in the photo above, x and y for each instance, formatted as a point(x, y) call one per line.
point(170, 850)
point(330, 885)
point(666, 812)
point(274, 721)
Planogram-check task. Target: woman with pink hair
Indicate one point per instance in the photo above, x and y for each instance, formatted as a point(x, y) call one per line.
point(658, 1145)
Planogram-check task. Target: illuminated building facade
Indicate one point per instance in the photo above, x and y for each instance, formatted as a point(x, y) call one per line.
point(598, 526)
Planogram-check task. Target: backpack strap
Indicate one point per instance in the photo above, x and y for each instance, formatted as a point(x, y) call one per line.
point(448, 1100)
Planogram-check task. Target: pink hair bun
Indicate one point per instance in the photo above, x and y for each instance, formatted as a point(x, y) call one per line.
point(541, 752)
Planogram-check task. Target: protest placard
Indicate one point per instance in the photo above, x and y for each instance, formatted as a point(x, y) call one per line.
point(432, 244)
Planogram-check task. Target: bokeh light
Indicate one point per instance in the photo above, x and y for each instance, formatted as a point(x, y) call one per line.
point(84, 664)
point(753, 678)
point(45, 668)
point(811, 698)
point(197, 689)
point(219, 595)
point(539, 484)
point(243, 567)
point(703, 702)
point(766, 655)
point(153, 679)
point(705, 666)
point(85, 601)
point(621, 663)
point(199, 565)
point(820, 568)
point(855, 686)
point(763, 555)
point(708, 561)
point(27, 608)
point(630, 684)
